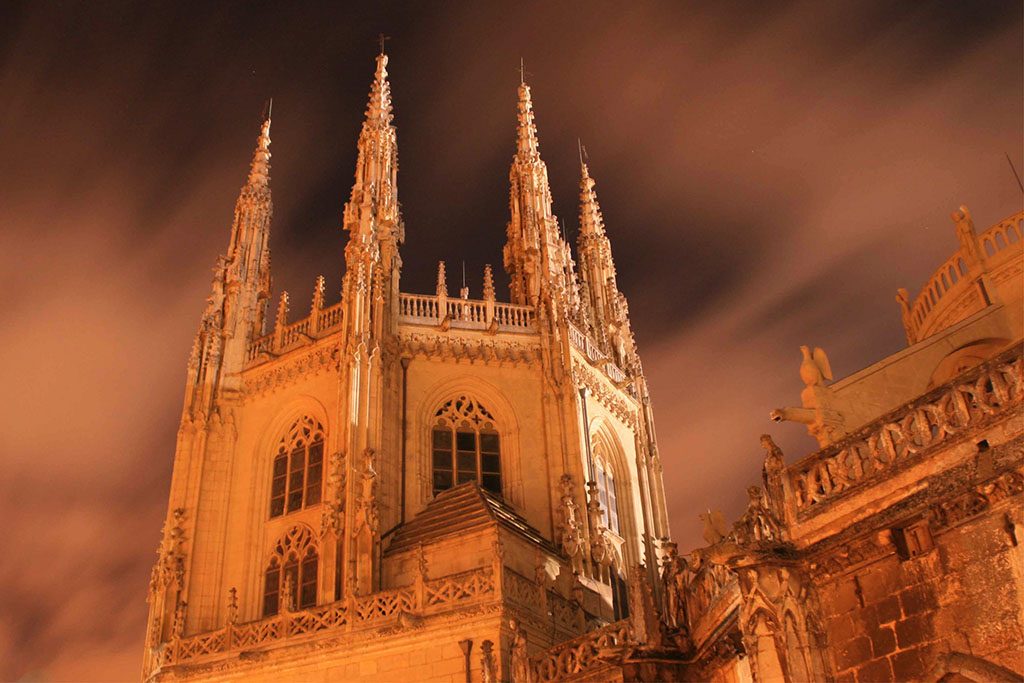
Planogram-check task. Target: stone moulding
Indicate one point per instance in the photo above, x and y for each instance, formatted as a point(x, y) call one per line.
point(977, 399)
point(612, 400)
point(441, 347)
point(948, 500)
point(265, 380)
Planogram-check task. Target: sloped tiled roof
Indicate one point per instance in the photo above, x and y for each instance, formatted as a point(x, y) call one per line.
point(460, 510)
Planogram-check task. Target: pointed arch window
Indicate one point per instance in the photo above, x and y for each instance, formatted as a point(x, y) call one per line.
point(297, 478)
point(291, 574)
point(465, 446)
point(606, 490)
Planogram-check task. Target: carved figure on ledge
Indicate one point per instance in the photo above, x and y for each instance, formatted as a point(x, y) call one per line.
point(823, 422)
point(715, 526)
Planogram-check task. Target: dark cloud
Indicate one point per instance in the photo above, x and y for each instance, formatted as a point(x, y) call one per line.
point(769, 177)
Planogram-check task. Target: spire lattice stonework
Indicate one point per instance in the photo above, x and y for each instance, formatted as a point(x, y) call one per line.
point(604, 304)
point(537, 259)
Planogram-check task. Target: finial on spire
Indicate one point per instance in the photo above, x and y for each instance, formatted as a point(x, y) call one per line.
point(379, 107)
point(381, 37)
point(442, 280)
point(527, 129)
point(522, 71)
point(488, 283)
point(259, 170)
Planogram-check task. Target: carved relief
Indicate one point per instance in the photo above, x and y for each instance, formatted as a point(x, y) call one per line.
point(296, 368)
point(572, 526)
point(491, 351)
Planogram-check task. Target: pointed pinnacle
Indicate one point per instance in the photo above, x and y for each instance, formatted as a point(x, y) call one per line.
point(527, 129)
point(379, 107)
point(259, 170)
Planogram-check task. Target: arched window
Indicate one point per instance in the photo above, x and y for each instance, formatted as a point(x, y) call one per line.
point(292, 566)
point(298, 468)
point(606, 490)
point(465, 446)
point(609, 501)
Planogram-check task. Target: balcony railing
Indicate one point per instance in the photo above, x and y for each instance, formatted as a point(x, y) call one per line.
point(473, 314)
point(982, 396)
point(422, 598)
point(954, 279)
point(595, 355)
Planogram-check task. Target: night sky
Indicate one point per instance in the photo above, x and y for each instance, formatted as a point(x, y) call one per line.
point(768, 178)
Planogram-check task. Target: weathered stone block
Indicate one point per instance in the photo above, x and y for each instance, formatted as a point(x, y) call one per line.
point(909, 665)
point(842, 629)
point(843, 597)
point(916, 600)
point(879, 582)
point(875, 671)
point(883, 641)
point(914, 630)
point(884, 612)
point(853, 652)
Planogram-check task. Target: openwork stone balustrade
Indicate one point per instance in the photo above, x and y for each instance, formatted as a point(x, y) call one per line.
point(707, 587)
point(982, 396)
point(471, 314)
point(576, 656)
point(597, 358)
point(354, 612)
point(316, 325)
point(953, 279)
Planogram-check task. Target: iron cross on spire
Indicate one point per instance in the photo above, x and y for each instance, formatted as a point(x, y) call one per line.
point(381, 38)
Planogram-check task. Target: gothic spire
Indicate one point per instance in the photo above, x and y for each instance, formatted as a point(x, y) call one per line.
point(259, 170)
point(603, 303)
point(526, 132)
point(535, 254)
point(591, 220)
point(373, 207)
point(379, 107)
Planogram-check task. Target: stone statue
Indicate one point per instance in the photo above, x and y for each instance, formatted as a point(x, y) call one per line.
point(757, 525)
point(488, 668)
point(673, 578)
point(178, 626)
point(715, 527)
point(903, 299)
point(823, 422)
point(519, 657)
point(232, 606)
point(572, 530)
point(966, 235)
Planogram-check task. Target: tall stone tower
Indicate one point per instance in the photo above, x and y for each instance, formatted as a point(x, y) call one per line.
point(408, 486)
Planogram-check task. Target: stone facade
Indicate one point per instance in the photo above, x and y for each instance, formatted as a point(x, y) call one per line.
point(401, 486)
point(431, 487)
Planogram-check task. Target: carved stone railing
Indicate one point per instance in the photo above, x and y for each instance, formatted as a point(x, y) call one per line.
point(595, 356)
point(707, 588)
point(953, 279)
point(472, 314)
point(566, 614)
point(972, 401)
point(576, 656)
point(327, 321)
point(369, 611)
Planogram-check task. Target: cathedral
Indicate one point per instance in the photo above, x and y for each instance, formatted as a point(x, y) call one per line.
point(430, 487)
